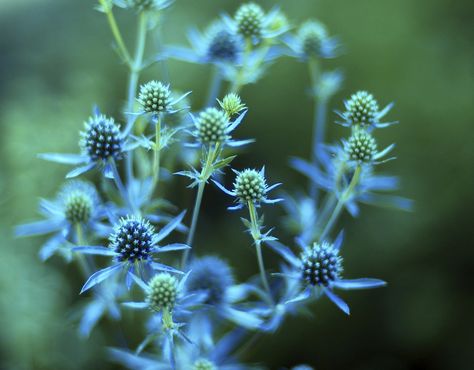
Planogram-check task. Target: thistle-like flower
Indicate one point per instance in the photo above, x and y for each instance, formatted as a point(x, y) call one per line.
point(133, 244)
point(312, 41)
point(251, 186)
point(144, 5)
point(77, 203)
point(155, 97)
point(218, 44)
point(362, 110)
point(312, 35)
point(101, 139)
point(213, 277)
point(232, 104)
point(319, 269)
point(213, 127)
point(165, 295)
point(249, 19)
point(362, 148)
point(102, 144)
point(337, 171)
point(254, 24)
point(195, 356)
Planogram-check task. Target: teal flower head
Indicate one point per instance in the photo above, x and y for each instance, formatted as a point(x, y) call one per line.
point(362, 111)
point(143, 5)
point(311, 41)
point(319, 269)
point(213, 126)
point(250, 186)
point(253, 23)
point(77, 204)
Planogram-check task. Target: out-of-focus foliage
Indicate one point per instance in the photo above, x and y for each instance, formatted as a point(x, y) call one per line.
point(56, 60)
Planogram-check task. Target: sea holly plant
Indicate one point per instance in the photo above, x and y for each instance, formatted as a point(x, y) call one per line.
point(136, 249)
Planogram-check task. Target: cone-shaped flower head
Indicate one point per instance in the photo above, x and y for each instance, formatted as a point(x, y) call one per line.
point(211, 275)
point(223, 46)
point(155, 97)
point(250, 186)
point(362, 108)
point(249, 19)
point(162, 292)
point(232, 104)
point(101, 139)
point(211, 126)
point(361, 146)
point(132, 239)
point(79, 199)
point(321, 264)
point(311, 35)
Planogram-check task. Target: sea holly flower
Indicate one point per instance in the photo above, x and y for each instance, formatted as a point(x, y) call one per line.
point(144, 5)
point(362, 110)
point(188, 356)
point(133, 244)
point(362, 148)
point(166, 296)
point(102, 144)
point(168, 299)
point(232, 104)
point(251, 186)
point(156, 97)
point(336, 171)
point(312, 41)
point(213, 127)
point(213, 278)
point(251, 21)
point(77, 203)
point(217, 45)
point(319, 269)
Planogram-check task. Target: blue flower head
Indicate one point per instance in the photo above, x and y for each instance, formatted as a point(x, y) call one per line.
point(212, 277)
point(218, 44)
point(312, 41)
point(77, 203)
point(338, 164)
point(132, 239)
point(221, 45)
point(319, 268)
point(251, 186)
point(102, 144)
point(143, 5)
point(362, 110)
point(101, 139)
point(133, 246)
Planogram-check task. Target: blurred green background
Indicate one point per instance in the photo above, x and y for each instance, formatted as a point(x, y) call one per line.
point(56, 62)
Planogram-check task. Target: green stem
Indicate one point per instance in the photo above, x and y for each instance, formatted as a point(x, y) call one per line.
point(206, 173)
point(255, 232)
point(239, 80)
point(135, 69)
point(115, 31)
point(214, 87)
point(341, 202)
point(81, 260)
point(156, 160)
